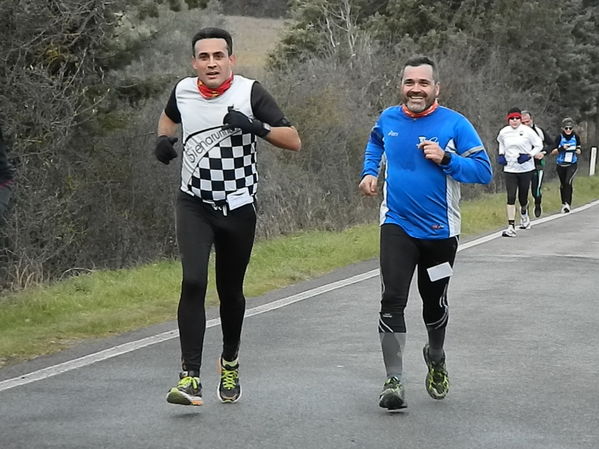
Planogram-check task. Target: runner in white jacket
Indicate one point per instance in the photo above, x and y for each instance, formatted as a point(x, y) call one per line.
point(518, 144)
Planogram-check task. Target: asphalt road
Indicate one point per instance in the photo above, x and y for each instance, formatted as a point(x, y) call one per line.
point(521, 354)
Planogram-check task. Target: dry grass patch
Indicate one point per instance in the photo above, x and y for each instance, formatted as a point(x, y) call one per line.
point(253, 39)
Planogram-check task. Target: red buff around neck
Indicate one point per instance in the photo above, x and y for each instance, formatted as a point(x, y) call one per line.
point(208, 92)
point(424, 113)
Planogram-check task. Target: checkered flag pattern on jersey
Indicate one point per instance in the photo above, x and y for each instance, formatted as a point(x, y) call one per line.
point(219, 161)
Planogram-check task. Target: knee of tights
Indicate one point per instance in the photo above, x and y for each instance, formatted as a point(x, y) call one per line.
point(193, 287)
point(437, 319)
point(392, 322)
point(393, 303)
point(229, 297)
point(393, 308)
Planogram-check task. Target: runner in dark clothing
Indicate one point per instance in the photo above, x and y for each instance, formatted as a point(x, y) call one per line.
point(220, 116)
point(6, 176)
point(539, 158)
point(567, 148)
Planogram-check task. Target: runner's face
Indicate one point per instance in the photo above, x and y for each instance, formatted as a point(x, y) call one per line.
point(526, 120)
point(212, 62)
point(515, 122)
point(419, 90)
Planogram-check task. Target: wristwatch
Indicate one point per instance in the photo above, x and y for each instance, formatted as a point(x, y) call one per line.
point(446, 158)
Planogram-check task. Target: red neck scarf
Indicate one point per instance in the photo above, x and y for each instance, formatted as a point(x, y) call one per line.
point(208, 92)
point(424, 113)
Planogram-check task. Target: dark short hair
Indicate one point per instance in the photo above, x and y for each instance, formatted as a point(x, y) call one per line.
point(419, 60)
point(515, 111)
point(212, 33)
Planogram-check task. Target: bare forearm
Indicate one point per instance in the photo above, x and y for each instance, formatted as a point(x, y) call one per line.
point(166, 127)
point(285, 137)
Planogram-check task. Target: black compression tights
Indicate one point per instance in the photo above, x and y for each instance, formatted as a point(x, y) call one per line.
point(199, 227)
point(400, 254)
point(518, 184)
point(566, 176)
point(537, 184)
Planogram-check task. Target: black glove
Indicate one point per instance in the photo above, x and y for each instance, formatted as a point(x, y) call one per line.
point(236, 119)
point(523, 158)
point(501, 159)
point(164, 150)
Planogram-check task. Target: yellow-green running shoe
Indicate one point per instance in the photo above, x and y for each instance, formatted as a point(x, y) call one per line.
point(229, 389)
point(393, 395)
point(437, 381)
point(188, 391)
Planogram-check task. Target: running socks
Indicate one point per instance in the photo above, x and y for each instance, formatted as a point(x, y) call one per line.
point(393, 345)
point(392, 342)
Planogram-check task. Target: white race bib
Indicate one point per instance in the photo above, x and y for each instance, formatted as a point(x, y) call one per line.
point(440, 271)
point(239, 198)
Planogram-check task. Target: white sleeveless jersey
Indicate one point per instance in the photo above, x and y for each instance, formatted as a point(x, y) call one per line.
point(216, 162)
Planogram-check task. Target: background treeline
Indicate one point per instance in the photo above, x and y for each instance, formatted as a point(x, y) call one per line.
point(82, 83)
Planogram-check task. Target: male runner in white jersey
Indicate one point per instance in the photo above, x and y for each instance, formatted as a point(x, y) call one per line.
point(220, 116)
point(428, 150)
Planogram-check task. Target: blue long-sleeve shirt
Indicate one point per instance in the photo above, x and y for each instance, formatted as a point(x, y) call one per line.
point(419, 195)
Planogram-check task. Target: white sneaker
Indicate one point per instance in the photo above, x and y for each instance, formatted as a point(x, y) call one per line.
point(524, 221)
point(509, 232)
point(565, 208)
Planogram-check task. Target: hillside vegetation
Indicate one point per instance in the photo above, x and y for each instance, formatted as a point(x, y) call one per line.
point(82, 83)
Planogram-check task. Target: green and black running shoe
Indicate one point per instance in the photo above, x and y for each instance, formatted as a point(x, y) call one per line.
point(188, 391)
point(437, 381)
point(229, 389)
point(393, 395)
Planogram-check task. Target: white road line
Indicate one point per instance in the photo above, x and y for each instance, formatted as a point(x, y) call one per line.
point(490, 237)
point(164, 336)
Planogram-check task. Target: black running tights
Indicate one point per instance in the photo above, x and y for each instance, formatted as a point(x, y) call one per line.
point(518, 183)
point(537, 184)
point(566, 176)
point(399, 256)
point(199, 227)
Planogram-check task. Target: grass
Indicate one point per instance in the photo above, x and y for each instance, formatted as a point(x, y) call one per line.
point(253, 39)
point(45, 319)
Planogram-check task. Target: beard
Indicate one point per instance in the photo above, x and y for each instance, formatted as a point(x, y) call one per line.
point(418, 106)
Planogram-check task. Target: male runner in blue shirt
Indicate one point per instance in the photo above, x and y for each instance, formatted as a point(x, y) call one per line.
point(427, 150)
